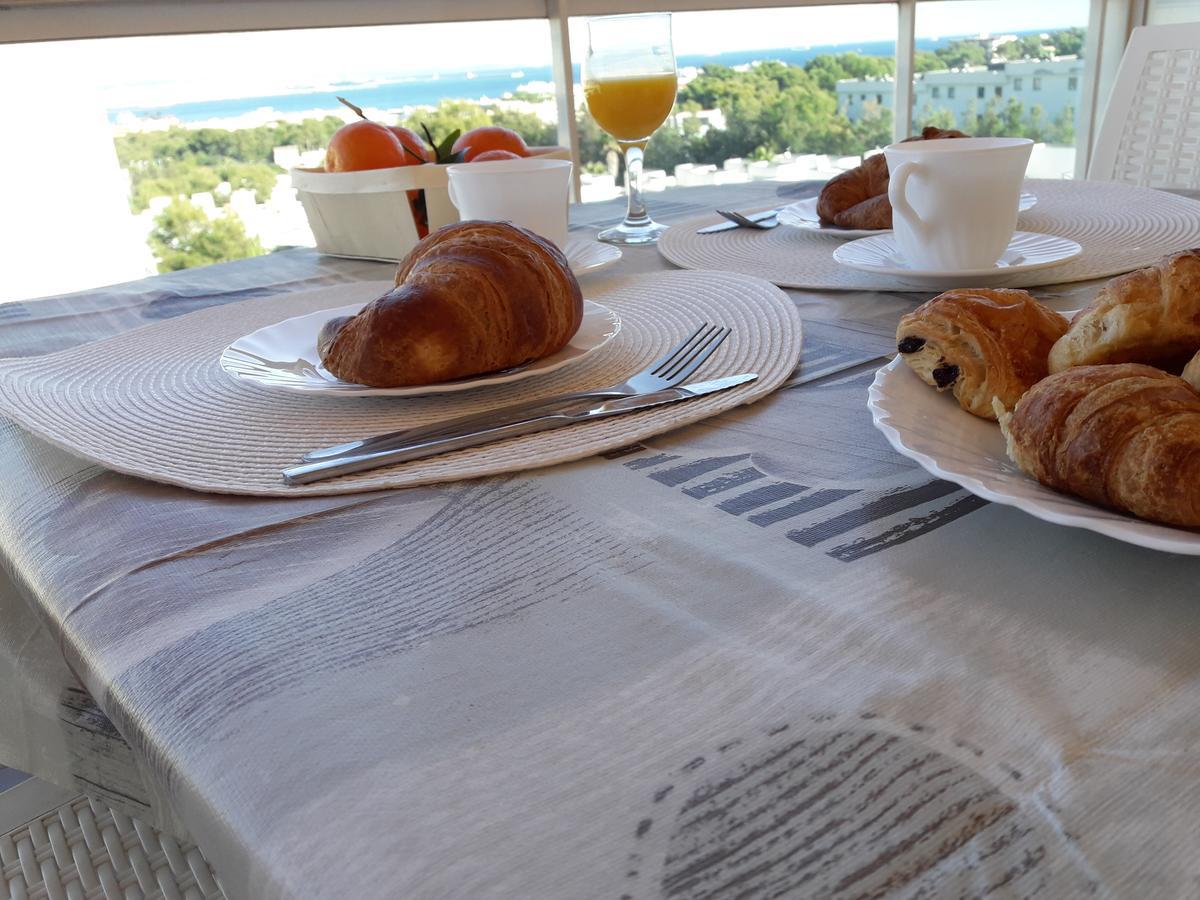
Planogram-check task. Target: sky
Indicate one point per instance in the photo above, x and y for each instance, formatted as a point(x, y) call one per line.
point(159, 71)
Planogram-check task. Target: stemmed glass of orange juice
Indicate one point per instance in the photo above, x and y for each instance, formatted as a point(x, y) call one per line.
point(629, 86)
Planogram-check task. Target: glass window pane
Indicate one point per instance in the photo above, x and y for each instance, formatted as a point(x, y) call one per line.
point(1000, 52)
point(209, 125)
point(786, 94)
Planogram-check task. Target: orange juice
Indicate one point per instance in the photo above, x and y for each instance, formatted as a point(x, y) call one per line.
point(630, 108)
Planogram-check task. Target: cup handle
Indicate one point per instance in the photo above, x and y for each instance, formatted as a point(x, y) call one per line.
point(897, 194)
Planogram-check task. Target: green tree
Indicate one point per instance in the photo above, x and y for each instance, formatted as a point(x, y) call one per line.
point(1069, 41)
point(872, 131)
point(257, 177)
point(938, 117)
point(1063, 129)
point(181, 161)
point(595, 145)
point(1010, 120)
point(827, 68)
point(926, 61)
point(1035, 127)
point(962, 53)
point(183, 237)
point(463, 115)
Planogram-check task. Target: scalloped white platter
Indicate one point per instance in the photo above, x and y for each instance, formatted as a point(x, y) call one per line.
point(931, 429)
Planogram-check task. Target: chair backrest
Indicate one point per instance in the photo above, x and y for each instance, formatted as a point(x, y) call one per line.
point(1150, 134)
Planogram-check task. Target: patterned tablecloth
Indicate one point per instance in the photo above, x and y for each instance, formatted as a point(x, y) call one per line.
point(761, 656)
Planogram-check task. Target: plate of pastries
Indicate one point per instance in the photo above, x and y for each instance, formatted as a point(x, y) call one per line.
point(1091, 421)
point(855, 203)
point(474, 304)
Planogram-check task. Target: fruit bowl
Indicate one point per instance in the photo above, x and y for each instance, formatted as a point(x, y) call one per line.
point(366, 214)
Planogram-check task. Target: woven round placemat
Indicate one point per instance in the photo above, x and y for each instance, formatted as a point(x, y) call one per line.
point(155, 403)
point(1119, 227)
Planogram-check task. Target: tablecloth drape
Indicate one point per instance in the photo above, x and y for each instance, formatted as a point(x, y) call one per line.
point(760, 655)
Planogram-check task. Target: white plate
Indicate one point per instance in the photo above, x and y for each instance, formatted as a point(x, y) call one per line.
point(1026, 252)
point(585, 255)
point(803, 214)
point(284, 355)
point(932, 429)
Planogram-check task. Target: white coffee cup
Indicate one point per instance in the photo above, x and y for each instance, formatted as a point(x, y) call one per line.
point(954, 201)
point(532, 193)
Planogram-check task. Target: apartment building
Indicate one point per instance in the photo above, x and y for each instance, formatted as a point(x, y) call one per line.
point(1051, 84)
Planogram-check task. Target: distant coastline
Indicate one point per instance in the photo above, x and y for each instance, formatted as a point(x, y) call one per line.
point(428, 89)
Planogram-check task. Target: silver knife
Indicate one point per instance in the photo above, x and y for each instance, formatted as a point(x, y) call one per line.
point(729, 226)
point(584, 411)
point(468, 424)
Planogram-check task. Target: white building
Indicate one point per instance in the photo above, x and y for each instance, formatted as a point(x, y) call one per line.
point(1051, 84)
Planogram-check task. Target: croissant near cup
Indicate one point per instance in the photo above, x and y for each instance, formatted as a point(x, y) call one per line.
point(471, 298)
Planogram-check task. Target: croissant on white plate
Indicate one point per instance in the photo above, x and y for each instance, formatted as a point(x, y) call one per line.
point(472, 297)
point(1126, 436)
point(1150, 316)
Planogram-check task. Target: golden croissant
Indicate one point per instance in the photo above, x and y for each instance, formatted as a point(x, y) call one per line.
point(980, 343)
point(470, 298)
point(1149, 316)
point(857, 198)
point(1126, 436)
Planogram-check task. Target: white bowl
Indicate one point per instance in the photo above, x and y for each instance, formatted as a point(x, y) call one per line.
point(366, 215)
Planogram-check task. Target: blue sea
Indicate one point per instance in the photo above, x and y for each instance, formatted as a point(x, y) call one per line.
point(428, 89)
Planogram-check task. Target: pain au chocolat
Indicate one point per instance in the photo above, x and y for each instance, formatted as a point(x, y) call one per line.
point(980, 343)
point(471, 298)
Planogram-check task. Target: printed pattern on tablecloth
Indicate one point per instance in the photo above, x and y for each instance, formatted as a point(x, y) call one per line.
point(839, 807)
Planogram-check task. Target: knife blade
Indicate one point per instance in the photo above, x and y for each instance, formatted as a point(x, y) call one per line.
point(585, 411)
point(729, 226)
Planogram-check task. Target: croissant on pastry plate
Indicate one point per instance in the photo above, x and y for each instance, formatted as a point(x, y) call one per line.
point(857, 198)
point(1149, 316)
point(980, 343)
point(470, 298)
point(1125, 436)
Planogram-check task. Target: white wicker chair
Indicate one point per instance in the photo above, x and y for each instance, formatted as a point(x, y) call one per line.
point(83, 850)
point(1150, 134)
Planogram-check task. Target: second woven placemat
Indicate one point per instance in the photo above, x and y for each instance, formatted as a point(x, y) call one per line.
point(1119, 227)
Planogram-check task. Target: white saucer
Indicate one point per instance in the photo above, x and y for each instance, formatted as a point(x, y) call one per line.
point(803, 214)
point(1026, 252)
point(585, 255)
point(284, 355)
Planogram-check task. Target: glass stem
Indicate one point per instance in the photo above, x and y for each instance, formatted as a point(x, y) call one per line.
point(635, 215)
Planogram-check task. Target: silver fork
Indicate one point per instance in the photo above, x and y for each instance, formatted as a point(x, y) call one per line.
point(766, 223)
point(669, 370)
